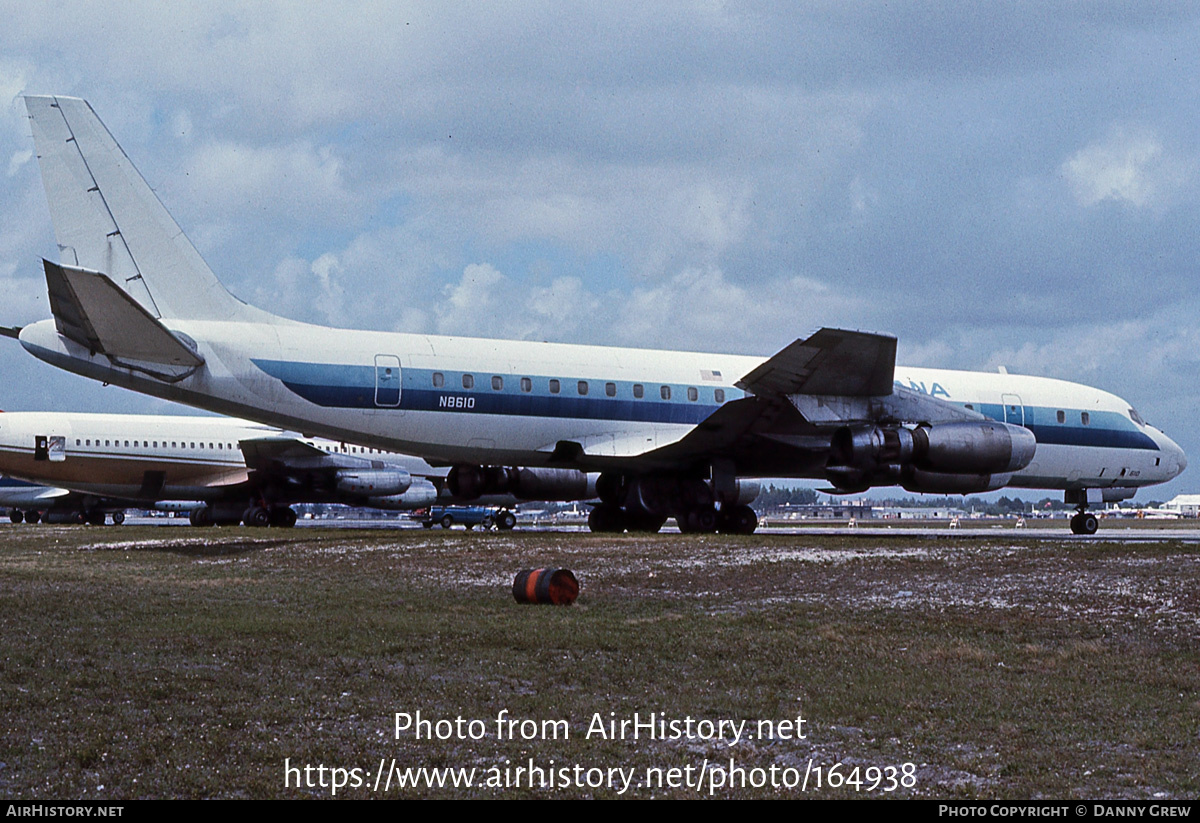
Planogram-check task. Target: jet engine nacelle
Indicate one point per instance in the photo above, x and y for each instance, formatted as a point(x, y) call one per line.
point(974, 456)
point(420, 494)
point(925, 482)
point(373, 482)
point(553, 484)
point(469, 482)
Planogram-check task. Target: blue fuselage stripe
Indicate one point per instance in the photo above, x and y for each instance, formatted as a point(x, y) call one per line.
point(354, 387)
point(1105, 429)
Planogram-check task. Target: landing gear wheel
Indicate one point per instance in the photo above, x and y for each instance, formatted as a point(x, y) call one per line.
point(283, 516)
point(505, 521)
point(646, 523)
point(201, 516)
point(257, 517)
point(16, 515)
point(94, 518)
point(737, 520)
point(33, 516)
point(118, 518)
point(698, 521)
point(606, 519)
point(1084, 523)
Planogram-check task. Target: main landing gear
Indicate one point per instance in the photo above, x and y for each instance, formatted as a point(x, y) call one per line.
point(643, 504)
point(256, 516)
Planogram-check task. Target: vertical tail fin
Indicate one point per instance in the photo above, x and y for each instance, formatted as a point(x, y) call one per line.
point(106, 218)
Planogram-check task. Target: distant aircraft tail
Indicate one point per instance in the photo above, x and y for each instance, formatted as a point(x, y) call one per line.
point(107, 219)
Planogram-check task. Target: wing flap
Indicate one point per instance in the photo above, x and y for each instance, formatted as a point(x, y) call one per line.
point(617, 445)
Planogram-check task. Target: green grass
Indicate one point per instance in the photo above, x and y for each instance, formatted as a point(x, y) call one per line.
point(191, 663)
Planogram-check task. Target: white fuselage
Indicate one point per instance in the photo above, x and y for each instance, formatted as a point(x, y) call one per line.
point(463, 400)
point(140, 457)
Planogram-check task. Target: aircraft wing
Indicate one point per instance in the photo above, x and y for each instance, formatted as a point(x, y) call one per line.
point(830, 362)
point(831, 379)
point(22, 493)
point(262, 452)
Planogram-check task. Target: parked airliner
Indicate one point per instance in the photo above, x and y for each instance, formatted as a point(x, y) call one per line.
point(233, 470)
point(673, 433)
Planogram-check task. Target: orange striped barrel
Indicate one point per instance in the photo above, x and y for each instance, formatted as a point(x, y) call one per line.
point(556, 586)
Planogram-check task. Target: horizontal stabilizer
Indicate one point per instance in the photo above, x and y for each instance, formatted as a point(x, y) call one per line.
point(830, 362)
point(94, 312)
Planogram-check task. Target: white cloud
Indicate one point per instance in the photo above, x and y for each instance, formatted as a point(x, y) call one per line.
point(1130, 166)
point(18, 159)
point(299, 182)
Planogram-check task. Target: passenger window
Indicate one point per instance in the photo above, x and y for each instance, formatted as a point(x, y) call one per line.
point(439, 379)
point(1085, 418)
point(719, 395)
point(554, 387)
point(468, 381)
point(610, 389)
point(583, 387)
point(497, 382)
point(638, 390)
point(693, 394)
point(1061, 416)
point(665, 391)
point(526, 384)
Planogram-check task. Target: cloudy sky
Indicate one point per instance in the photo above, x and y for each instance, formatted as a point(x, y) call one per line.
point(1011, 184)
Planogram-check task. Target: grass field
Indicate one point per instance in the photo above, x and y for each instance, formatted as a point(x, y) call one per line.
point(175, 662)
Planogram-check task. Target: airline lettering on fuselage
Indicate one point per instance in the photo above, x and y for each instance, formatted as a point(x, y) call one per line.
point(933, 391)
point(451, 402)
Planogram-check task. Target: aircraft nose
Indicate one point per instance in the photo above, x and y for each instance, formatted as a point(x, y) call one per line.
point(1175, 455)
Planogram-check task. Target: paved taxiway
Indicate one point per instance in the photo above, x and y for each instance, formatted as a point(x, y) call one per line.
point(1113, 533)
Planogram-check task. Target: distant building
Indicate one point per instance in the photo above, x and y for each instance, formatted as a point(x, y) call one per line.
point(1188, 505)
point(919, 513)
point(832, 510)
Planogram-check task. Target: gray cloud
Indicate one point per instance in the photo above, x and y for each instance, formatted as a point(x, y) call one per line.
point(1002, 184)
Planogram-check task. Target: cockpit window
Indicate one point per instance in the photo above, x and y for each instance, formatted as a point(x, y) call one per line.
point(1137, 418)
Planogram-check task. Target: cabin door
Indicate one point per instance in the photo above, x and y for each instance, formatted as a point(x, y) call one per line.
point(1014, 411)
point(387, 381)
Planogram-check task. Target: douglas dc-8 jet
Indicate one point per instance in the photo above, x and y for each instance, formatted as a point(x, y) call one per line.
point(226, 471)
point(672, 433)
point(231, 470)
